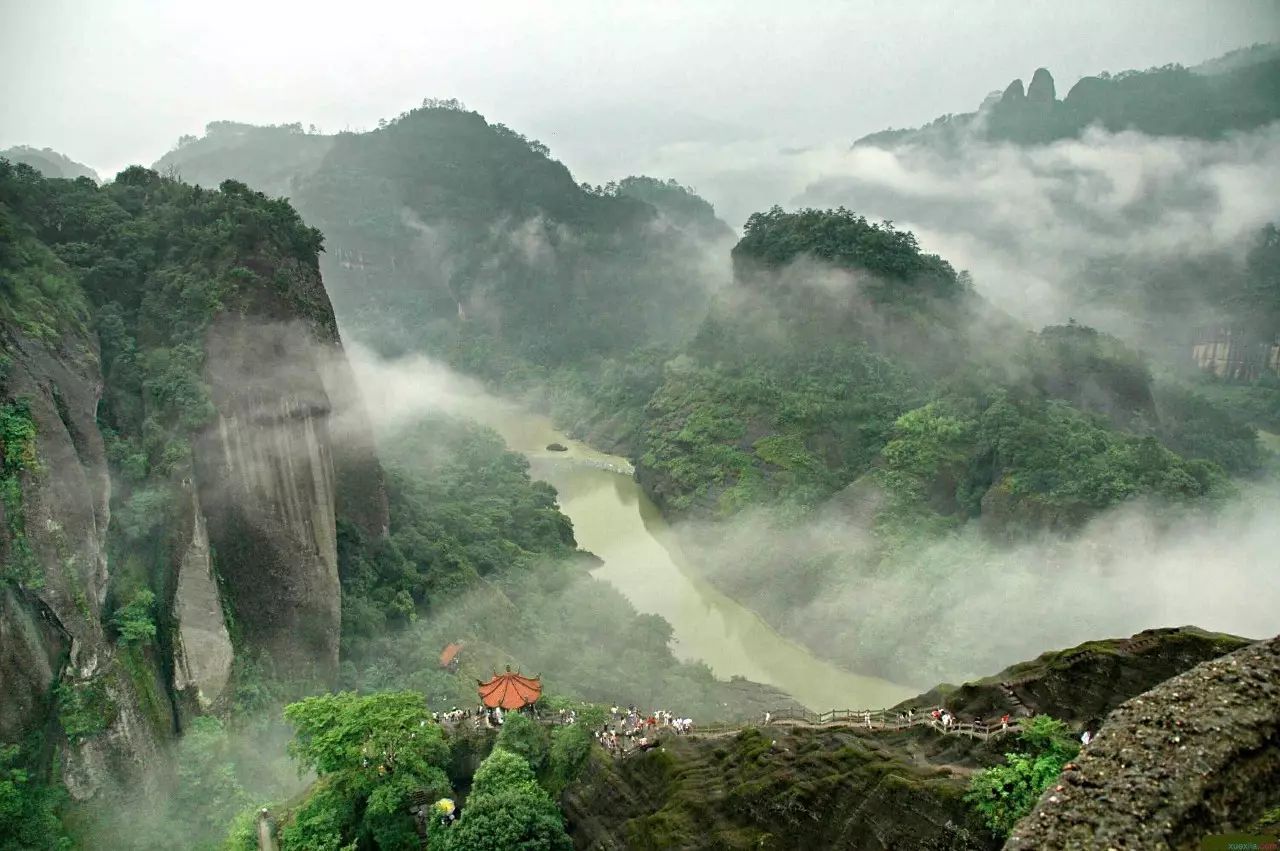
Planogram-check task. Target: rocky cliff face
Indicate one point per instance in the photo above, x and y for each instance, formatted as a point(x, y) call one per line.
point(1197, 755)
point(772, 788)
point(261, 517)
point(1082, 684)
point(266, 479)
point(54, 547)
point(1042, 90)
point(202, 651)
point(229, 463)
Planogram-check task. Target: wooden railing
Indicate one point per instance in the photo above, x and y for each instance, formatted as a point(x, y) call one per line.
point(873, 719)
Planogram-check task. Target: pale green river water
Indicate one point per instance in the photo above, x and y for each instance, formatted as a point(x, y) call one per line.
point(614, 519)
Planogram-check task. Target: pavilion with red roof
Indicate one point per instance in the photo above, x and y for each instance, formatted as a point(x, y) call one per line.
point(510, 690)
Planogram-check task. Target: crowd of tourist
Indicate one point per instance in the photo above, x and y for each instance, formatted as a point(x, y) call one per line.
point(483, 716)
point(628, 729)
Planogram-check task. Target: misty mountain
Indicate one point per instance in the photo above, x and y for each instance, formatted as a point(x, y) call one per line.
point(838, 361)
point(48, 162)
point(1237, 92)
point(1127, 205)
point(447, 233)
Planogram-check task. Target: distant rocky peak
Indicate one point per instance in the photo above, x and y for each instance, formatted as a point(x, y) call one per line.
point(1041, 89)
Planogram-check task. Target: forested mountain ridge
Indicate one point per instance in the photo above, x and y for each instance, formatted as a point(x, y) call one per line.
point(1205, 102)
point(812, 379)
point(852, 422)
point(473, 242)
point(48, 162)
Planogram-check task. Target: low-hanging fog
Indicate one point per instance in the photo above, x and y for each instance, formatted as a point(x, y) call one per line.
point(964, 606)
point(1033, 223)
point(959, 606)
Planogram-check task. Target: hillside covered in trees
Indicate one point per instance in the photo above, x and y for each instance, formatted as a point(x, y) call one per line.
point(451, 234)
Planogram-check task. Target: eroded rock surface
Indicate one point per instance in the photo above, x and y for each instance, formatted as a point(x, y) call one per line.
point(51, 626)
point(202, 654)
point(1082, 684)
point(1198, 754)
point(267, 486)
point(774, 788)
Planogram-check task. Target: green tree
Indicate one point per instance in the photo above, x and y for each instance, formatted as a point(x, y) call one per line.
point(371, 752)
point(526, 738)
point(1003, 794)
point(134, 621)
point(570, 748)
point(508, 811)
point(28, 808)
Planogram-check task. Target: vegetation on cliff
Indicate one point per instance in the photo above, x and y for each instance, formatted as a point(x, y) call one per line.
point(156, 260)
point(30, 806)
point(120, 283)
point(1005, 793)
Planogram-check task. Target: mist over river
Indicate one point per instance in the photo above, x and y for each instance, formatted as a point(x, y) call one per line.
point(614, 519)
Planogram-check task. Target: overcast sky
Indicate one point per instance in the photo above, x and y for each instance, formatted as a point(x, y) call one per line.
point(613, 88)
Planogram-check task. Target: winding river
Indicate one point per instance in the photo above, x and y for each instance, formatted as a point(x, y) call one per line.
point(614, 519)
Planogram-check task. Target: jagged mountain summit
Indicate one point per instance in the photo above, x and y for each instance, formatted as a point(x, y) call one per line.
point(1237, 92)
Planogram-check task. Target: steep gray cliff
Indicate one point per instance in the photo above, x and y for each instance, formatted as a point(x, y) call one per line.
point(171, 476)
point(53, 548)
point(202, 650)
point(265, 474)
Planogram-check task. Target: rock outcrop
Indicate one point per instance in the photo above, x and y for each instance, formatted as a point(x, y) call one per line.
point(1042, 91)
point(774, 788)
point(266, 481)
point(1196, 755)
point(1082, 684)
point(789, 786)
point(115, 630)
point(202, 652)
point(1013, 94)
